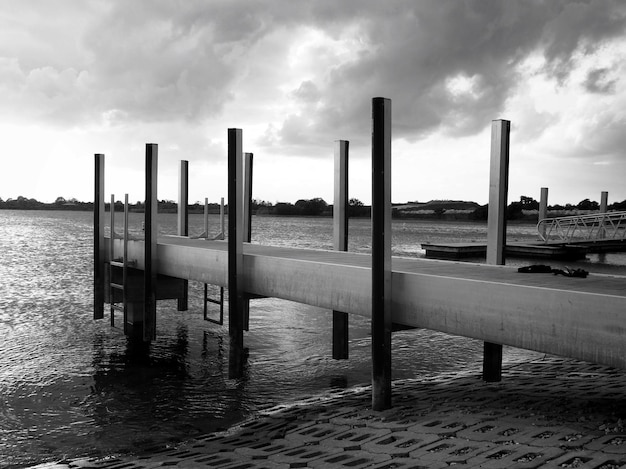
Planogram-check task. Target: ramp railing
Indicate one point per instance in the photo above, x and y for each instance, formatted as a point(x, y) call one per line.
point(610, 226)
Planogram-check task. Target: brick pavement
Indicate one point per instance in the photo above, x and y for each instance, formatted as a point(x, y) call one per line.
point(547, 413)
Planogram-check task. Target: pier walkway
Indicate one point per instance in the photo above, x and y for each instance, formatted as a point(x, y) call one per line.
point(581, 318)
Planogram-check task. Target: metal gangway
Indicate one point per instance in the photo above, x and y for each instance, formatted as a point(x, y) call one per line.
point(609, 226)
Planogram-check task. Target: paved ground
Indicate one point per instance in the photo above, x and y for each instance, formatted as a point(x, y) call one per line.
point(548, 413)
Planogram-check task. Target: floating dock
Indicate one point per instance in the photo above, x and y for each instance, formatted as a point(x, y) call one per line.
point(554, 250)
point(525, 250)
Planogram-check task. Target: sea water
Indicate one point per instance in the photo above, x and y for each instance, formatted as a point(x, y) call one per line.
point(71, 386)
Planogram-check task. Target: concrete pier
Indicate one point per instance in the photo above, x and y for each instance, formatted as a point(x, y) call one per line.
point(492, 303)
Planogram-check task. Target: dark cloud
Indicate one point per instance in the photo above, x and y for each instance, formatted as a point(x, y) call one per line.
point(159, 60)
point(600, 81)
point(416, 47)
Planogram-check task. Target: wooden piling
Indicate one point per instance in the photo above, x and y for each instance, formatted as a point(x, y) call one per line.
point(247, 198)
point(150, 245)
point(604, 207)
point(381, 253)
point(222, 218)
point(604, 201)
point(496, 227)
point(98, 237)
point(206, 218)
point(183, 221)
point(340, 241)
point(247, 225)
point(543, 209)
point(235, 253)
point(498, 190)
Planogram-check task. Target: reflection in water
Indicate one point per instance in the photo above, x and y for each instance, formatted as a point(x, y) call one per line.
point(71, 386)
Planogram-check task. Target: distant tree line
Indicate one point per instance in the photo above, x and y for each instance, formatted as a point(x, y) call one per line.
point(307, 207)
point(519, 210)
point(318, 207)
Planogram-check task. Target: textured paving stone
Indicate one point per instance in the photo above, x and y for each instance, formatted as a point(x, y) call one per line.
point(584, 460)
point(613, 444)
point(547, 413)
point(399, 444)
point(518, 456)
point(450, 451)
point(352, 459)
point(355, 438)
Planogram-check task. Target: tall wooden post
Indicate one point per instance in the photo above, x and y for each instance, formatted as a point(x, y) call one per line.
point(247, 225)
point(604, 201)
point(247, 198)
point(222, 224)
point(381, 253)
point(543, 209)
point(150, 245)
point(496, 227)
point(206, 217)
point(340, 241)
point(604, 206)
point(235, 253)
point(98, 237)
point(183, 221)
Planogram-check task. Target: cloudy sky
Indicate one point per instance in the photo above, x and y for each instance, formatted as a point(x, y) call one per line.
point(106, 76)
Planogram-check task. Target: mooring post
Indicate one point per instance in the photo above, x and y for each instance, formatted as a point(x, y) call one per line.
point(206, 217)
point(604, 201)
point(604, 207)
point(98, 238)
point(150, 245)
point(381, 253)
point(183, 222)
point(235, 253)
point(496, 227)
point(247, 198)
point(222, 217)
point(247, 225)
point(543, 209)
point(340, 241)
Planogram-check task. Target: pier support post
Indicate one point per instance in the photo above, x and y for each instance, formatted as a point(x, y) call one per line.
point(235, 253)
point(604, 201)
point(543, 209)
point(340, 241)
point(150, 245)
point(381, 253)
point(604, 206)
point(496, 227)
point(206, 217)
point(247, 198)
point(247, 224)
point(222, 218)
point(98, 238)
point(183, 222)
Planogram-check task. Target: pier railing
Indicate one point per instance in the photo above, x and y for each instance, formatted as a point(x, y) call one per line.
point(596, 227)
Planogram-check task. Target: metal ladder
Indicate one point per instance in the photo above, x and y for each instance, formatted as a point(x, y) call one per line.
point(220, 302)
point(206, 298)
point(119, 263)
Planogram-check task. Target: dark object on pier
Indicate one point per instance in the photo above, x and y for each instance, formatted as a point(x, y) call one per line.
point(567, 272)
point(536, 269)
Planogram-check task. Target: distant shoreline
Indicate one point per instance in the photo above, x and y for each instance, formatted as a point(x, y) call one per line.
point(444, 217)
